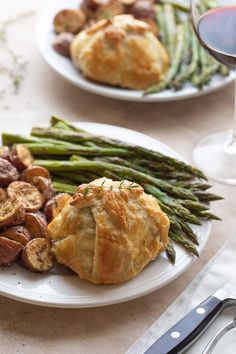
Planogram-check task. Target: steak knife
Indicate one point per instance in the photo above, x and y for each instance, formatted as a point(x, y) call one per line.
point(183, 334)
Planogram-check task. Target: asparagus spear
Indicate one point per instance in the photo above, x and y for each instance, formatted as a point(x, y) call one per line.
point(62, 125)
point(163, 171)
point(210, 4)
point(191, 68)
point(73, 177)
point(161, 24)
point(224, 70)
point(189, 232)
point(170, 25)
point(187, 48)
point(156, 169)
point(193, 185)
point(170, 252)
point(59, 123)
point(54, 165)
point(206, 197)
point(180, 5)
point(193, 206)
point(67, 125)
point(206, 75)
point(184, 242)
point(203, 58)
point(10, 139)
point(77, 158)
point(206, 214)
point(177, 224)
point(174, 65)
point(176, 207)
point(50, 149)
point(128, 150)
point(64, 187)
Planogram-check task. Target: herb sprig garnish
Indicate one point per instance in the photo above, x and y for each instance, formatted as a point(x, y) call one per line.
point(121, 187)
point(12, 74)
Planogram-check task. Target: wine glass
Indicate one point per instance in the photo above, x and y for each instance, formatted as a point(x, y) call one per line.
point(214, 22)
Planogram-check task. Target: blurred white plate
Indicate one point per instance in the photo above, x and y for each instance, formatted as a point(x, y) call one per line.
point(65, 68)
point(67, 290)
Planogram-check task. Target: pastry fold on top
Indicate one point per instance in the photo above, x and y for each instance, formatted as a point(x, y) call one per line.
point(121, 51)
point(109, 231)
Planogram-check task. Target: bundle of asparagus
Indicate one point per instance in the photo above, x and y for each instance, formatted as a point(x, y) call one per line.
point(188, 60)
point(74, 156)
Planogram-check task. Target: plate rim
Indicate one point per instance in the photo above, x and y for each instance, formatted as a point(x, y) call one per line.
point(113, 92)
point(59, 303)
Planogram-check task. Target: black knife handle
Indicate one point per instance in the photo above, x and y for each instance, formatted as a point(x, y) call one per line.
point(188, 328)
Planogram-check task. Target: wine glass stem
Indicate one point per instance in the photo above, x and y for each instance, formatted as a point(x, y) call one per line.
point(230, 145)
point(234, 123)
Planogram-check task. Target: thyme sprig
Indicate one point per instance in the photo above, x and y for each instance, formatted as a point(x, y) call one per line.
point(15, 70)
point(103, 186)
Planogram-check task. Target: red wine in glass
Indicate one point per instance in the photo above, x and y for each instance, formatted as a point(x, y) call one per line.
point(217, 32)
point(215, 154)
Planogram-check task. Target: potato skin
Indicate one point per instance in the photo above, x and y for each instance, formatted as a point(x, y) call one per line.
point(28, 195)
point(37, 256)
point(45, 187)
point(30, 173)
point(12, 212)
point(142, 9)
point(54, 206)
point(18, 234)
point(96, 9)
point(8, 173)
point(5, 152)
point(21, 157)
point(9, 251)
point(36, 225)
point(62, 43)
point(3, 194)
point(69, 20)
point(41, 215)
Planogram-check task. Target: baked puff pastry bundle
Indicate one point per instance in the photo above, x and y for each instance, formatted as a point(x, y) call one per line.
point(109, 231)
point(121, 51)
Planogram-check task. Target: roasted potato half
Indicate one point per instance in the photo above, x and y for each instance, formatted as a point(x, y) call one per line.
point(99, 9)
point(142, 9)
point(41, 215)
point(62, 43)
point(3, 194)
point(17, 233)
point(37, 255)
point(12, 212)
point(69, 20)
point(5, 152)
point(8, 173)
point(21, 157)
point(44, 185)
point(36, 225)
point(54, 206)
point(9, 251)
point(28, 195)
point(30, 173)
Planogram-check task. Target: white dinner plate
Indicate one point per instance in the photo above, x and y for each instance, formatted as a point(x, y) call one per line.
point(65, 68)
point(67, 290)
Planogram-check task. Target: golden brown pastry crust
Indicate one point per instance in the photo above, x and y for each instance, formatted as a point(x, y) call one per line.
point(108, 232)
point(122, 51)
